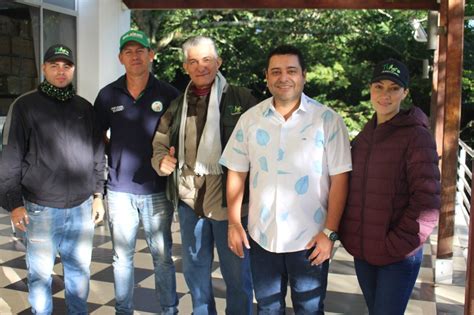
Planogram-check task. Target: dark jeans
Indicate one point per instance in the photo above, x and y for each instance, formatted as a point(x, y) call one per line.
point(387, 289)
point(271, 273)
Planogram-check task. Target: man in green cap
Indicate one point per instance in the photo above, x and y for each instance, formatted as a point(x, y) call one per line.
point(131, 108)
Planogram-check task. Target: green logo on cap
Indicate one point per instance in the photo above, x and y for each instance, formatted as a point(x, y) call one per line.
point(133, 35)
point(390, 68)
point(61, 50)
point(136, 36)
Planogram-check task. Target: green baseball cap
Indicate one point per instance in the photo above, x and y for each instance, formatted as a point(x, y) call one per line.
point(134, 36)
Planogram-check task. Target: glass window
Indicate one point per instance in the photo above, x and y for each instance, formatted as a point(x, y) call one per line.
point(19, 52)
point(58, 28)
point(68, 4)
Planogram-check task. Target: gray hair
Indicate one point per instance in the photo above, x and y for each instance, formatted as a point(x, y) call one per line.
point(198, 41)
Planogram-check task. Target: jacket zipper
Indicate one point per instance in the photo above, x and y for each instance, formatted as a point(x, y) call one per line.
point(68, 154)
point(364, 186)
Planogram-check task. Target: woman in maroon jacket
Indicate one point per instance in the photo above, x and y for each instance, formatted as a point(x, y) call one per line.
point(394, 195)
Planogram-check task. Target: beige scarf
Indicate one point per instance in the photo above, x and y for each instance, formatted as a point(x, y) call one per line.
point(209, 149)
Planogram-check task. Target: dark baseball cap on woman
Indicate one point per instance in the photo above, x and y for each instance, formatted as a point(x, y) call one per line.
point(58, 52)
point(393, 70)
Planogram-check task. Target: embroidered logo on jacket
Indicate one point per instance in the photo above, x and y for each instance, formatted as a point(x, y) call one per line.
point(236, 110)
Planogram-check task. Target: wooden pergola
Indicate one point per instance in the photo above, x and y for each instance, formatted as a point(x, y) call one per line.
point(446, 89)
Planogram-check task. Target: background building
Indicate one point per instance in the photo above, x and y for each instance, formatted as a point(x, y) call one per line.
point(29, 27)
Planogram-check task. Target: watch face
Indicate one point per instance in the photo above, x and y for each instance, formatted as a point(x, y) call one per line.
point(333, 236)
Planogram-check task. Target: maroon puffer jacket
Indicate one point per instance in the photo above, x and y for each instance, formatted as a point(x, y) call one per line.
point(394, 195)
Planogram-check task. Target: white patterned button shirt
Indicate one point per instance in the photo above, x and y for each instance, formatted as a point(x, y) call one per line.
point(290, 164)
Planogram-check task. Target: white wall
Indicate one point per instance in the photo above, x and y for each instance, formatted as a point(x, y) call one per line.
point(100, 23)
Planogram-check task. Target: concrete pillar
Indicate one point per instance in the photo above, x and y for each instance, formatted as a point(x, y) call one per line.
point(99, 26)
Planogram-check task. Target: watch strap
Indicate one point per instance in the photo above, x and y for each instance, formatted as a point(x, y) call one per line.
point(332, 235)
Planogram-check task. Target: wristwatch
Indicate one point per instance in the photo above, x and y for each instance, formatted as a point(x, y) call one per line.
point(332, 235)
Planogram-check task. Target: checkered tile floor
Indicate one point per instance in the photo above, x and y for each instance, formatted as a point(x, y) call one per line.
point(344, 296)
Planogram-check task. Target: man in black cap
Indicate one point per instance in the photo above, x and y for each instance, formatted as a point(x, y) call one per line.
point(52, 178)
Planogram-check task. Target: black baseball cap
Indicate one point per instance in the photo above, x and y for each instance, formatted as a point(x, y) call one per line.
point(57, 52)
point(393, 70)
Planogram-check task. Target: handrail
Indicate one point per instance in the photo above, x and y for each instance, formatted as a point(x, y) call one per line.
point(468, 149)
point(463, 185)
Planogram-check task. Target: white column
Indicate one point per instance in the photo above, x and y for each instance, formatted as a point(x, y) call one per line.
point(99, 27)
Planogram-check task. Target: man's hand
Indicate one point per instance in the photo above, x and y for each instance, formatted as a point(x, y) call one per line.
point(322, 248)
point(97, 210)
point(236, 236)
point(20, 218)
point(168, 163)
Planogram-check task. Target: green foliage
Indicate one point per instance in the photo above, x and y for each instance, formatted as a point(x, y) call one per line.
point(340, 47)
point(469, 9)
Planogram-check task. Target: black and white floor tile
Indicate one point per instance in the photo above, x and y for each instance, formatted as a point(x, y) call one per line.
point(343, 297)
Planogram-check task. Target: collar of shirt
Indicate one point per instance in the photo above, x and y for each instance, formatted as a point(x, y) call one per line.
point(121, 83)
point(269, 109)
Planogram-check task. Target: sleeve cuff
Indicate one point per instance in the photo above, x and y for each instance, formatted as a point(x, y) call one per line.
point(14, 200)
point(234, 166)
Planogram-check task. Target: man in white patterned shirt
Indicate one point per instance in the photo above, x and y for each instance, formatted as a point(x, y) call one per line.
point(298, 154)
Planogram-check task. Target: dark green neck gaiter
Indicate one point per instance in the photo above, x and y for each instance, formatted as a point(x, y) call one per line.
point(60, 94)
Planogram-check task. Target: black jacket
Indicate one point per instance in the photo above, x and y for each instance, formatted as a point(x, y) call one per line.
point(53, 153)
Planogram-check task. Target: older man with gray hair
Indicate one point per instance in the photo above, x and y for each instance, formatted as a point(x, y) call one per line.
point(187, 147)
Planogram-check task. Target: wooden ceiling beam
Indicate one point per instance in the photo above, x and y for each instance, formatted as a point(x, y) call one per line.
point(282, 4)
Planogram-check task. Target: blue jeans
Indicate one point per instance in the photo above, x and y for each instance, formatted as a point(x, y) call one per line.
point(198, 236)
point(271, 273)
point(387, 289)
point(67, 231)
point(156, 214)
